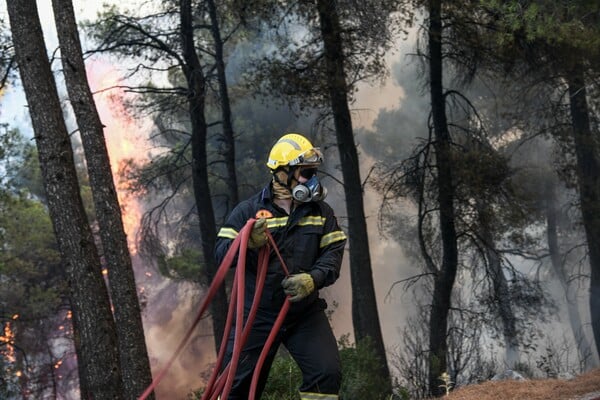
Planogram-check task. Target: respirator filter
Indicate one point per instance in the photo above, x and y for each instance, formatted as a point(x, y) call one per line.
point(311, 190)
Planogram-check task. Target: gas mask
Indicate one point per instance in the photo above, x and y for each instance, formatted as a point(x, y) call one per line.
point(311, 190)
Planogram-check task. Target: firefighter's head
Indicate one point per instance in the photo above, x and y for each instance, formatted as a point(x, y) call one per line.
point(294, 161)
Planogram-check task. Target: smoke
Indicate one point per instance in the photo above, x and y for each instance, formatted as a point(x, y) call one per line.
point(169, 314)
point(389, 265)
point(389, 119)
point(169, 306)
point(371, 100)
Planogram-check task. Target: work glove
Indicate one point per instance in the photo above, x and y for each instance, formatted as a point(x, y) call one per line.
point(258, 236)
point(298, 286)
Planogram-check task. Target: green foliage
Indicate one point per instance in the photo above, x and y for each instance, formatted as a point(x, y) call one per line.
point(185, 265)
point(14, 151)
point(28, 175)
point(195, 394)
point(284, 379)
point(32, 284)
point(360, 367)
point(29, 259)
point(568, 24)
point(360, 377)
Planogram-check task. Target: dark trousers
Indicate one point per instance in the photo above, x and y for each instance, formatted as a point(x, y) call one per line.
point(309, 340)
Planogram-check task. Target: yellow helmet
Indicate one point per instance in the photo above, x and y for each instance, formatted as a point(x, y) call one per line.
point(293, 149)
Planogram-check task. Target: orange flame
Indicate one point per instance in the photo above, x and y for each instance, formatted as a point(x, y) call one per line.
point(122, 140)
point(9, 339)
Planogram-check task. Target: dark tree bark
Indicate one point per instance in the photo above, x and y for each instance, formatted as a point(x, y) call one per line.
point(446, 275)
point(7, 57)
point(500, 286)
point(132, 345)
point(227, 149)
point(365, 316)
point(94, 327)
point(505, 309)
point(583, 346)
point(196, 99)
point(588, 176)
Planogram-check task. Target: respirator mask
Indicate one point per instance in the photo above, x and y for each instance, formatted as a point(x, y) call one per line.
point(311, 190)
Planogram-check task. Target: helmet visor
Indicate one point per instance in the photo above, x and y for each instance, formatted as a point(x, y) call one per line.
point(309, 157)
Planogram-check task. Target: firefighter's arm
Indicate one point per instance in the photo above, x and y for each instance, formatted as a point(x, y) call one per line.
point(230, 230)
point(326, 269)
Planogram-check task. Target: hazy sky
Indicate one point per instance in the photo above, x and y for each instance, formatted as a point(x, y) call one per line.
point(13, 104)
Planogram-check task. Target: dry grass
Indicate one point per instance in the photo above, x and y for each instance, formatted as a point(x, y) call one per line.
point(583, 387)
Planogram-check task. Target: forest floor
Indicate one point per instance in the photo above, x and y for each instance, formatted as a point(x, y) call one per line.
point(582, 387)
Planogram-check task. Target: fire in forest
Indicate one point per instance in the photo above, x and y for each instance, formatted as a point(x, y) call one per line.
point(7, 339)
point(166, 304)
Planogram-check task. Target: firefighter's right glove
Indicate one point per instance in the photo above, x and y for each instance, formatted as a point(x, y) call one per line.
point(258, 236)
point(298, 286)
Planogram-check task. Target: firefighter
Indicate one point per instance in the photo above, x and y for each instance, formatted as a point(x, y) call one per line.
point(312, 244)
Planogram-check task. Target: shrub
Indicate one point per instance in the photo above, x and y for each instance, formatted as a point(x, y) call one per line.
point(284, 379)
point(360, 372)
point(360, 377)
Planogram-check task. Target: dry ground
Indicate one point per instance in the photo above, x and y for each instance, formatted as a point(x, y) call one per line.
point(583, 387)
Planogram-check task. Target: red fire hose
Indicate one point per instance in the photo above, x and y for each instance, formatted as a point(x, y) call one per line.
point(219, 384)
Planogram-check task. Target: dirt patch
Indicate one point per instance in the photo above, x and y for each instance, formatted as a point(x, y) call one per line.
point(582, 387)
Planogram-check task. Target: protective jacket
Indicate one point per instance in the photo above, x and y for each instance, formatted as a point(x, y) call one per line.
point(309, 240)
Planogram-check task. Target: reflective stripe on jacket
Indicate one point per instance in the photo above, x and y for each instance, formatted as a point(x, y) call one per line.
point(318, 396)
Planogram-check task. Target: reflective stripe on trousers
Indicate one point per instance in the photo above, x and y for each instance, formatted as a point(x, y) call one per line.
point(317, 396)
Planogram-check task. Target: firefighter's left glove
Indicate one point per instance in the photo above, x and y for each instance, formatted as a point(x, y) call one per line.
point(298, 286)
point(258, 236)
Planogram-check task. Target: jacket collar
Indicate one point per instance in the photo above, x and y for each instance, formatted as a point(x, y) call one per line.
point(267, 194)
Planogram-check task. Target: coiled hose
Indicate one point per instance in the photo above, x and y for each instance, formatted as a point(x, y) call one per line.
point(219, 384)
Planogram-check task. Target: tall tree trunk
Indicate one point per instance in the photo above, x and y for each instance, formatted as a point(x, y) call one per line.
point(588, 174)
point(365, 316)
point(500, 286)
point(445, 277)
point(94, 327)
point(507, 316)
point(208, 230)
point(227, 149)
point(123, 292)
point(583, 346)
